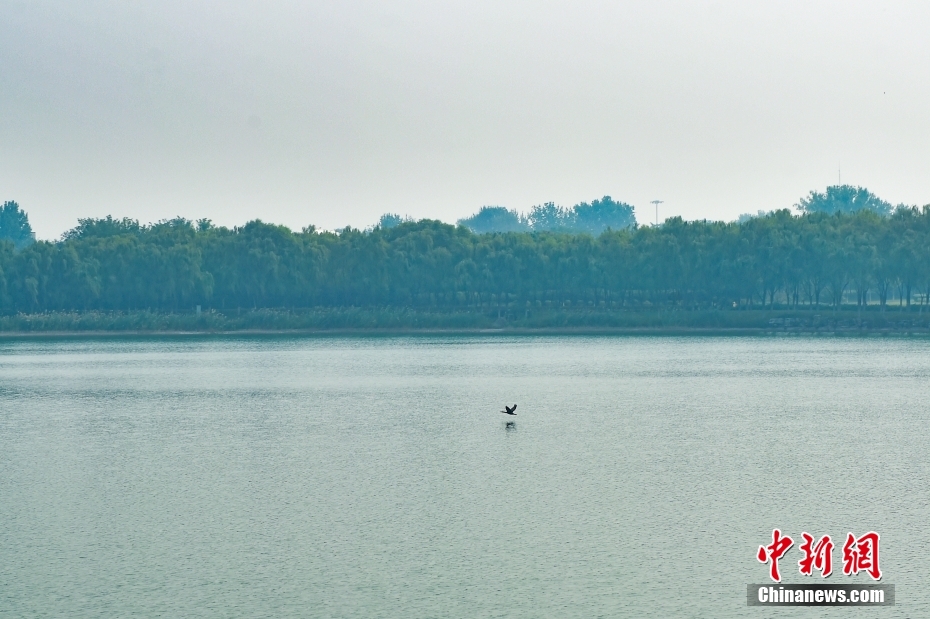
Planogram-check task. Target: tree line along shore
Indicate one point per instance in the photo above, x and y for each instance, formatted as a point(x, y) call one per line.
point(814, 271)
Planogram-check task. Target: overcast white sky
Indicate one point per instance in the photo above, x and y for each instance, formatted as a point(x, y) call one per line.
point(334, 112)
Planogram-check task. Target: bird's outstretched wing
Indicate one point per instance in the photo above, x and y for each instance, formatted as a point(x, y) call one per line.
point(514, 408)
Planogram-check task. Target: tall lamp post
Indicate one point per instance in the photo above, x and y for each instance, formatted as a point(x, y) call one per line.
point(657, 203)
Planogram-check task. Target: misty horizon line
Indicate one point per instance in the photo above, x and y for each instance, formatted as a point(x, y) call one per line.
point(389, 219)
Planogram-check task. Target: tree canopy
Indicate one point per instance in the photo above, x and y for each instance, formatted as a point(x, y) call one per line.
point(389, 220)
point(843, 199)
point(14, 225)
point(601, 215)
point(592, 218)
point(495, 219)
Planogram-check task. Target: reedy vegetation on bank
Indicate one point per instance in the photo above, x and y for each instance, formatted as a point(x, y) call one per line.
point(783, 260)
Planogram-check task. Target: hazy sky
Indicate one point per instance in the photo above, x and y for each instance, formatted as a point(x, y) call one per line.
point(334, 112)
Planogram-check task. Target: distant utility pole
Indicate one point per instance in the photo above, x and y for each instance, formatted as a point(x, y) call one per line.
point(657, 203)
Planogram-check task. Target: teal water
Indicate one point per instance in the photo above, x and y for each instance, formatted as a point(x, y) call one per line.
point(374, 477)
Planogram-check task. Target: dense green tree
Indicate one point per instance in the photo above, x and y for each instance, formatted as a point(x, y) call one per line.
point(549, 217)
point(593, 218)
point(389, 220)
point(600, 215)
point(843, 199)
point(494, 219)
point(106, 227)
point(14, 225)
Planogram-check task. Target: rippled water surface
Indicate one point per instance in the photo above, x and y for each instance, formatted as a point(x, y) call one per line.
point(374, 477)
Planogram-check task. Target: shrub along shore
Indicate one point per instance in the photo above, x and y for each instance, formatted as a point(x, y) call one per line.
point(387, 320)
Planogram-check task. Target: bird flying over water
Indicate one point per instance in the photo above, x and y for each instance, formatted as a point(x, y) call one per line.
point(509, 410)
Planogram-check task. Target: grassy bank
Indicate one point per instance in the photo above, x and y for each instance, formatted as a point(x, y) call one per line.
point(391, 319)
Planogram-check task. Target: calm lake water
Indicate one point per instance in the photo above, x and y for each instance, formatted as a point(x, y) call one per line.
point(375, 477)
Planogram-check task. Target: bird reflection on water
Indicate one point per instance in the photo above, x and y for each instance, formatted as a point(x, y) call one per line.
point(510, 426)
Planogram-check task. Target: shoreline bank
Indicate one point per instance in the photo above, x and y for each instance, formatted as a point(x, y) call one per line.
point(506, 321)
point(429, 332)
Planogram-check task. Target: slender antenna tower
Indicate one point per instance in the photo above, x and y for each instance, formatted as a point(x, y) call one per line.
point(657, 203)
